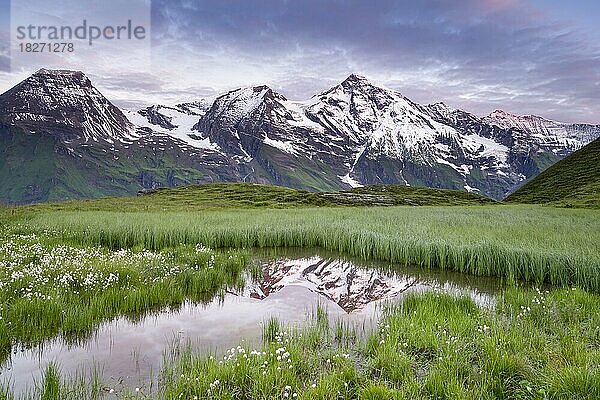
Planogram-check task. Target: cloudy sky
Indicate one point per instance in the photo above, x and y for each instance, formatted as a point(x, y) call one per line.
point(524, 56)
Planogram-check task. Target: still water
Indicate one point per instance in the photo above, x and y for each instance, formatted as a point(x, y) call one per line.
point(291, 283)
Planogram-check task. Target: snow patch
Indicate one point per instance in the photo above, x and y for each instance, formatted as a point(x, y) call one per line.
point(286, 147)
point(184, 123)
point(347, 179)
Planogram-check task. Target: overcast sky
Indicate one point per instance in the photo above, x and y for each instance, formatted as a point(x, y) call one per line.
point(524, 56)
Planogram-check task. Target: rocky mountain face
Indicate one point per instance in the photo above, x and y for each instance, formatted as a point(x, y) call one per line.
point(60, 138)
point(353, 134)
point(357, 133)
point(64, 102)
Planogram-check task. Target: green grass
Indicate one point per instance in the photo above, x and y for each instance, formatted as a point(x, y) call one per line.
point(533, 345)
point(49, 289)
point(250, 195)
point(535, 244)
point(572, 182)
point(55, 386)
point(432, 346)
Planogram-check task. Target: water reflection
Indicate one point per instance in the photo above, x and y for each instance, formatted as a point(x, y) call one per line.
point(289, 284)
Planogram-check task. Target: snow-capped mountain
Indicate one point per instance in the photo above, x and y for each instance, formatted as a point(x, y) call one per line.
point(356, 133)
point(65, 101)
point(558, 137)
point(61, 138)
point(359, 133)
point(260, 128)
point(390, 139)
point(177, 121)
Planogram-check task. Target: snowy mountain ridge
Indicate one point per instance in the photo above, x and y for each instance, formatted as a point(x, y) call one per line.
point(67, 99)
point(356, 127)
point(353, 134)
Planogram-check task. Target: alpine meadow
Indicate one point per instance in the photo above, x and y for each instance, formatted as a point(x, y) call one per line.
point(298, 200)
point(70, 267)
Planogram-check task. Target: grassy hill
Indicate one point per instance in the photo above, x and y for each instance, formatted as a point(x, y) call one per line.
point(39, 168)
point(573, 181)
point(250, 195)
point(504, 348)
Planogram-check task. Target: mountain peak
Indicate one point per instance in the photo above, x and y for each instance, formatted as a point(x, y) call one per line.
point(62, 76)
point(240, 104)
point(355, 81)
point(46, 71)
point(260, 88)
point(525, 123)
point(251, 94)
point(501, 113)
point(65, 102)
point(359, 83)
point(440, 105)
point(356, 78)
point(441, 108)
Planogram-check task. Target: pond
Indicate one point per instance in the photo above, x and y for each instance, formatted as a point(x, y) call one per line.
point(288, 284)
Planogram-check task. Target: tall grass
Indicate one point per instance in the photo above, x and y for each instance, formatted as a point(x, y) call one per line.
point(53, 385)
point(271, 329)
point(433, 346)
point(535, 244)
point(50, 389)
point(5, 392)
point(48, 290)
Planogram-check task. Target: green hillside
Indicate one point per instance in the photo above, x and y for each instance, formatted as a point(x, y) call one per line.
point(573, 181)
point(39, 168)
point(251, 195)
